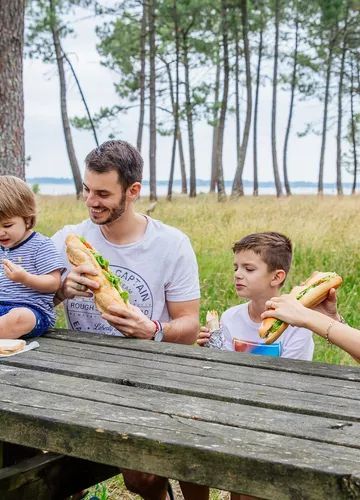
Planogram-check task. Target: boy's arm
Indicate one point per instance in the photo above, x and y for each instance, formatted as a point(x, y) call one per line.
point(44, 283)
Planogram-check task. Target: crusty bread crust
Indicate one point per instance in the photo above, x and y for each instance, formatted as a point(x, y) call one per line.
point(311, 299)
point(106, 295)
point(18, 345)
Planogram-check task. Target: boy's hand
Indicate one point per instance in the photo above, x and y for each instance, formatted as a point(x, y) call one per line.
point(203, 337)
point(14, 272)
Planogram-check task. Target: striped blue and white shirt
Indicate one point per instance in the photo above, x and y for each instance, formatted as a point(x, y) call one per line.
point(37, 255)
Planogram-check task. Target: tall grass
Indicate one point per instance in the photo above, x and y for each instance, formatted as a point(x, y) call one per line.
point(324, 232)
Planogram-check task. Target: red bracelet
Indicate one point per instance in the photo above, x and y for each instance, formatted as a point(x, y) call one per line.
point(158, 325)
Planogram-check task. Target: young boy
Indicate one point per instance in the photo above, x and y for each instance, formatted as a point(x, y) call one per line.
point(261, 264)
point(30, 266)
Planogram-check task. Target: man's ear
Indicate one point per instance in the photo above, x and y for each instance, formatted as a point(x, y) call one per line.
point(133, 191)
point(278, 277)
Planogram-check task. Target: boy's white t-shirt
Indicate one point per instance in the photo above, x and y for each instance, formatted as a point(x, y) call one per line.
point(160, 267)
point(296, 343)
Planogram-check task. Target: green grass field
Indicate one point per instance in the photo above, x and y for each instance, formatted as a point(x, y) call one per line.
point(323, 231)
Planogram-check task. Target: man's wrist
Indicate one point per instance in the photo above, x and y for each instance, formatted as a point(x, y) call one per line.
point(59, 295)
point(153, 329)
point(158, 334)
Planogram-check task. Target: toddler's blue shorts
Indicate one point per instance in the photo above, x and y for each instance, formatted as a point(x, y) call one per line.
point(42, 320)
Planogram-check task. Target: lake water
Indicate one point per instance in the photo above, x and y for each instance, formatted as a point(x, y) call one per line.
point(60, 189)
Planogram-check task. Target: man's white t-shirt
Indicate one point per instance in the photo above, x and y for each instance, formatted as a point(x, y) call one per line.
point(161, 267)
point(296, 343)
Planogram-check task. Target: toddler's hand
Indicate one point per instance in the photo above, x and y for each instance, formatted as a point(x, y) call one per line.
point(14, 272)
point(203, 336)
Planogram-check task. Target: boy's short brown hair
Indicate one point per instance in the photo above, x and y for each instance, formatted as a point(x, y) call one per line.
point(16, 199)
point(275, 249)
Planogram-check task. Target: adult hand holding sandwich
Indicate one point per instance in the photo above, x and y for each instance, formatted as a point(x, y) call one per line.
point(77, 284)
point(329, 305)
point(324, 320)
point(131, 322)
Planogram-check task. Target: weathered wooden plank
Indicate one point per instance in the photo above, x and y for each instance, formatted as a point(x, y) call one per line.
point(289, 365)
point(315, 428)
point(212, 370)
point(193, 385)
point(51, 476)
point(256, 463)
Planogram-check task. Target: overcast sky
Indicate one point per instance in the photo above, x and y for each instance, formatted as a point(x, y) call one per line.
point(45, 141)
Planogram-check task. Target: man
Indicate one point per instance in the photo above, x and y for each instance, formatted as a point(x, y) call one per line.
point(155, 262)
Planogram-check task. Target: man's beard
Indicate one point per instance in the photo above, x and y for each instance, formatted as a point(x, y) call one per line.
point(115, 214)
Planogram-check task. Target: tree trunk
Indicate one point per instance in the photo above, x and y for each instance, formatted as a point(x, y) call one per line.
point(12, 149)
point(174, 102)
point(291, 110)
point(340, 95)
point(353, 138)
point(189, 116)
point(258, 73)
point(274, 102)
point(214, 166)
point(82, 97)
point(152, 48)
point(220, 139)
point(237, 188)
point(182, 164)
point(237, 97)
point(173, 149)
point(142, 76)
point(324, 127)
point(64, 113)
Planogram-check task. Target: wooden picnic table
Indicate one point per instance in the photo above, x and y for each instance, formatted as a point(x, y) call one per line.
point(269, 427)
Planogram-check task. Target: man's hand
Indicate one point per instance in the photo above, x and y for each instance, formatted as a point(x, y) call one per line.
point(130, 322)
point(14, 272)
point(76, 284)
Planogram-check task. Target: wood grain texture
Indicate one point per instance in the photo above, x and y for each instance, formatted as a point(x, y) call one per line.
point(230, 421)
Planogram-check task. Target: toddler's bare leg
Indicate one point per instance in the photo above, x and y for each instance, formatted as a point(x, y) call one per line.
point(16, 323)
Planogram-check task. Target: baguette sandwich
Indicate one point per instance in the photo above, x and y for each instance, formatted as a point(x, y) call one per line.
point(212, 320)
point(312, 293)
point(109, 293)
point(10, 346)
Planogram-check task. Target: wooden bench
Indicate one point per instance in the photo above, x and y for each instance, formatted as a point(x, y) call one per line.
point(28, 474)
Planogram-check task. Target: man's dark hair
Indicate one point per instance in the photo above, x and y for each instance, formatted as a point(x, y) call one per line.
point(120, 156)
point(275, 249)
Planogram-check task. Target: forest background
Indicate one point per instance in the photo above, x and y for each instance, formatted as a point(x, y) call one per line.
point(238, 83)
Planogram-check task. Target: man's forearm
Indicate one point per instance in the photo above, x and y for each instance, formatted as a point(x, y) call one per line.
point(181, 330)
